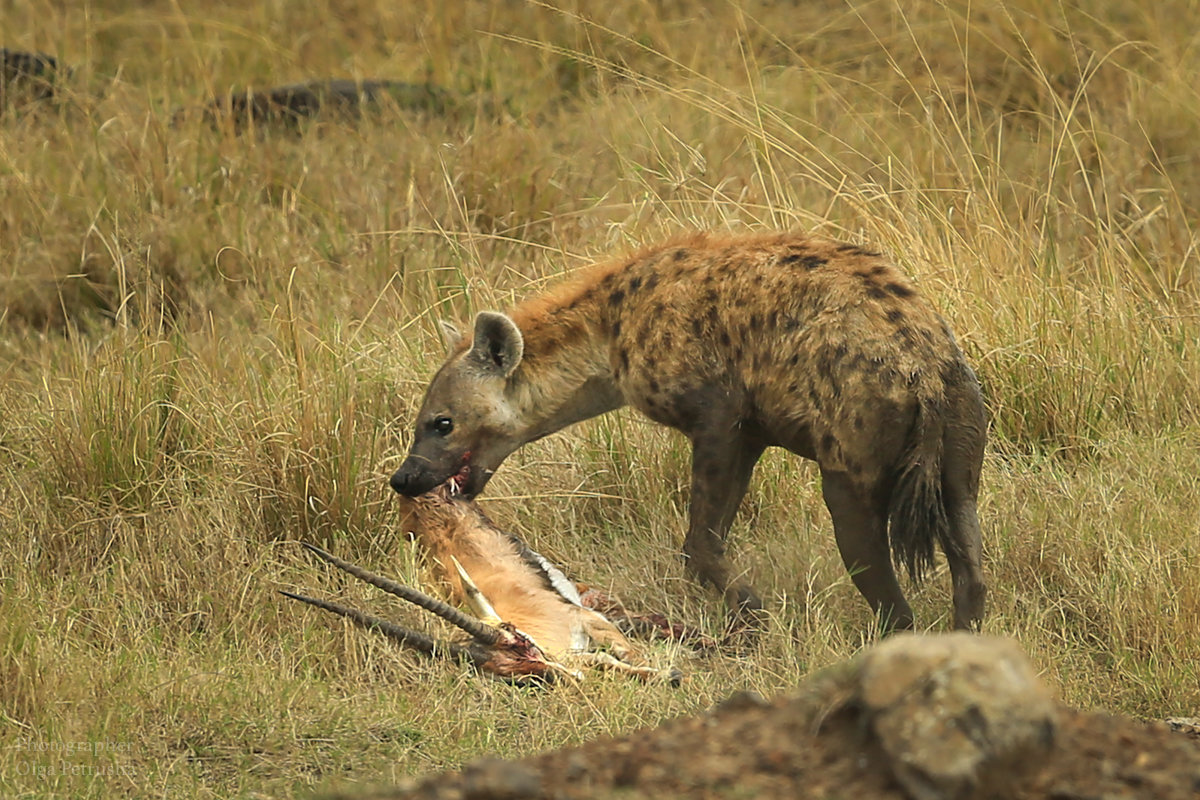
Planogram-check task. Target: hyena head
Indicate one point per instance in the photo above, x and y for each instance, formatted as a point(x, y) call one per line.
point(466, 425)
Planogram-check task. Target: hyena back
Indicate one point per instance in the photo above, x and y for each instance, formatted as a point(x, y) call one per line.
point(742, 343)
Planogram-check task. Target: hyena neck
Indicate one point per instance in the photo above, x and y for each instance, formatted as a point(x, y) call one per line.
point(565, 375)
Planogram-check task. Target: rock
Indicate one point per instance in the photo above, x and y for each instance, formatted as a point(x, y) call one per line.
point(494, 779)
point(335, 97)
point(956, 713)
point(26, 76)
point(740, 701)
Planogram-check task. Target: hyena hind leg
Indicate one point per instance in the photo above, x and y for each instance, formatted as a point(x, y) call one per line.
point(964, 545)
point(966, 569)
point(860, 528)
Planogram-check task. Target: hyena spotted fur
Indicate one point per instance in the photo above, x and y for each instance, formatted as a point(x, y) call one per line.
point(741, 343)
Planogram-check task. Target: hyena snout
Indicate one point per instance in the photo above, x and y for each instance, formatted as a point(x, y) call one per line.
point(415, 478)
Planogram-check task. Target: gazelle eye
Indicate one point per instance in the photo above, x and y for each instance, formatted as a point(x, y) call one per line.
point(443, 425)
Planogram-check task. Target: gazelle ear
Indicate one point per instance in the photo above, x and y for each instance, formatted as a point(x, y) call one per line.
point(498, 344)
point(451, 335)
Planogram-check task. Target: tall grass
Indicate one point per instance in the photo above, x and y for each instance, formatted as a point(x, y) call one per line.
point(212, 345)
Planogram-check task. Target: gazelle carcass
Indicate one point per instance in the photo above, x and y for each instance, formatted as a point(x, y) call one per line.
point(529, 619)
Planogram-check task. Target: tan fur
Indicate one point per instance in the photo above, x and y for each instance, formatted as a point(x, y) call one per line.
point(447, 527)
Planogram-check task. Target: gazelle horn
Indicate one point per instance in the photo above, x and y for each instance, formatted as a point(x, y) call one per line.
point(479, 631)
point(401, 635)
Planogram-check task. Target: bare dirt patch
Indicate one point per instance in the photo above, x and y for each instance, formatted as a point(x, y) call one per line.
point(822, 742)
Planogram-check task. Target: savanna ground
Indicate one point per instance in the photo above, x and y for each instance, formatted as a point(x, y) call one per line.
point(211, 346)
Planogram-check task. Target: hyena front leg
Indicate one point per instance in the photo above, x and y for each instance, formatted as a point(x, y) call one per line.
point(723, 459)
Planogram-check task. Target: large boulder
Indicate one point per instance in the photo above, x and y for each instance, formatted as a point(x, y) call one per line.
point(956, 713)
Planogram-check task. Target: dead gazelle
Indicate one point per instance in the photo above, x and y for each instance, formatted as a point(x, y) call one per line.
point(495, 646)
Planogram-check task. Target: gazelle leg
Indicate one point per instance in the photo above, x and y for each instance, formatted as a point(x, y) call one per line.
point(604, 660)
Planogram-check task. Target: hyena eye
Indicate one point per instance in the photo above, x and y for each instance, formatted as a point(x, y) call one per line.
point(443, 425)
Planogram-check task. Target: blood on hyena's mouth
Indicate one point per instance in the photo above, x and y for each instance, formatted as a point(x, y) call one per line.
point(458, 481)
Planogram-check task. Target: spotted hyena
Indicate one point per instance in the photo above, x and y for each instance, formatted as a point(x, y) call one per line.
point(742, 343)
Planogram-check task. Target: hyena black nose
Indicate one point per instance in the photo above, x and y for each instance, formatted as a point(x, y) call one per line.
point(413, 480)
point(400, 482)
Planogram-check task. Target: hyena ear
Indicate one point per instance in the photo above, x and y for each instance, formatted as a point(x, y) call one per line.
point(498, 344)
point(451, 335)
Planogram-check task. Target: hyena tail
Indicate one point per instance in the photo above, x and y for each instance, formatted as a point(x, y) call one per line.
point(917, 509)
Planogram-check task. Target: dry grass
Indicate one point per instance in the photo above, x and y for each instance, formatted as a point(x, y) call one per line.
point(211, 345)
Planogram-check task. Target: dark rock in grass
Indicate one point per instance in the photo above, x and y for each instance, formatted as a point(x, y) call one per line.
point(27, 77)
point(287, 105)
